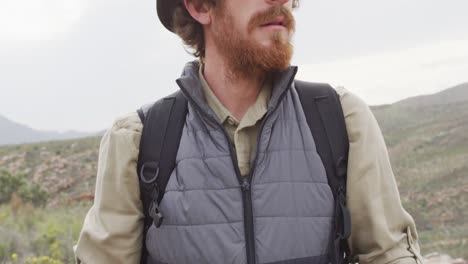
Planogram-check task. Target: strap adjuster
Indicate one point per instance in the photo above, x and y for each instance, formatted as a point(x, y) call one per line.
point(341, 168)
point(344, 230)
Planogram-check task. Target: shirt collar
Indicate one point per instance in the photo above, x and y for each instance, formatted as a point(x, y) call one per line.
point(253, 114)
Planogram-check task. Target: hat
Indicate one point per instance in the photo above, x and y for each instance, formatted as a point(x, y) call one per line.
point(165, 10)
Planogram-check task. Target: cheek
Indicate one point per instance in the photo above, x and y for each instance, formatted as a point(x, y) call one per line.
point(239, 11)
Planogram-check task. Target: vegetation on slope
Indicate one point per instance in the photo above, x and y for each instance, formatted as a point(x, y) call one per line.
point(428, 147)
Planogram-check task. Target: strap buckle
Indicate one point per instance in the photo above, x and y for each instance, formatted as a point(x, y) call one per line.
point(148, 174)
point(155, 214)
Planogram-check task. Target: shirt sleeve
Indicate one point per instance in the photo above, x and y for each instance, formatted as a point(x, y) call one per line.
point(112, 229)
point(381, 230)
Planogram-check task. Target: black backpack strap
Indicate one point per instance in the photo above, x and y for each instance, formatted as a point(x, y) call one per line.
point(160, 139)
point(324, 114)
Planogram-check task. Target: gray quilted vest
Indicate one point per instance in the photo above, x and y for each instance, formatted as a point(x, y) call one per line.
point(281, 213)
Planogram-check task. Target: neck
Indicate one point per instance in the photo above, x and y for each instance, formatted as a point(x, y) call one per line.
point(237, 92)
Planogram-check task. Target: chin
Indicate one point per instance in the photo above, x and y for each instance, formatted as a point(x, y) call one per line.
point(273, 41)
point(267, 44)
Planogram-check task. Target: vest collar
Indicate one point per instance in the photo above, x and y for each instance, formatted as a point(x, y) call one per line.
point(191, 86)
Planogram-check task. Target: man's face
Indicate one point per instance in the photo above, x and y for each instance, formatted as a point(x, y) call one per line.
point(254, 35)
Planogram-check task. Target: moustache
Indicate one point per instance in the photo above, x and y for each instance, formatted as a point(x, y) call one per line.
point(264, 17)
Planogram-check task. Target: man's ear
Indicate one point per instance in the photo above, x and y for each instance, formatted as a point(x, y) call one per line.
point(201, 13)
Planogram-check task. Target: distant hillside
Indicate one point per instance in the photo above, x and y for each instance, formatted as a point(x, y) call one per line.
point(14, 133)
point(428, 144)
point(427, 141)
point(452, 95)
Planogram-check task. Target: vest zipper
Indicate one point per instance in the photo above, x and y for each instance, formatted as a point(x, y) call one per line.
point(246, 181)
point(246, 202)
point(244, 184)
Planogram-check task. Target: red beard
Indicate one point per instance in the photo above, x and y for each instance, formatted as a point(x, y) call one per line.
point(246, 57)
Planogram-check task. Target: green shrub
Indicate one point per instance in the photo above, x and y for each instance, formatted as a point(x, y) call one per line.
point(28, 192)
point(40, 235)
point(34, 194)
point(8, 185)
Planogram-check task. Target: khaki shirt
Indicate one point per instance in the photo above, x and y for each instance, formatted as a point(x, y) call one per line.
point(381, 232)
point(243, 133)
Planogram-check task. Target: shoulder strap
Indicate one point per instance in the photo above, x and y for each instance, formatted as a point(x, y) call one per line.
point(160, 139)
point(324, 114)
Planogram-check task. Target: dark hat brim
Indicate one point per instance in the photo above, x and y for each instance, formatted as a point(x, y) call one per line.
point(165, 9)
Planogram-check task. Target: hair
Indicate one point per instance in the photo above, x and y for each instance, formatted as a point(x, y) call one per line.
point(191, 31)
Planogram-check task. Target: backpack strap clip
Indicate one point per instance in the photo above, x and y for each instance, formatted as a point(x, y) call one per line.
point(148, 174)
point(152, 167)
point(155, 213)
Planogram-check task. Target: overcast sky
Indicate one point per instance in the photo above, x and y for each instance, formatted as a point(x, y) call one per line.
point(78, 64)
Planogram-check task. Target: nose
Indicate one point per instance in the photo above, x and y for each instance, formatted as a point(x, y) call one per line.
point(277, 2)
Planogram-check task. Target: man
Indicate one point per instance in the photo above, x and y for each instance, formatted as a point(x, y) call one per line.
point(248, 186)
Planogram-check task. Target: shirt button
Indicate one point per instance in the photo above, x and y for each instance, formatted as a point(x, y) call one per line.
point(231, 121)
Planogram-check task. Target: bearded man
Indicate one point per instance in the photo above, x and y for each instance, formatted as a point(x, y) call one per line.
point(250, 183)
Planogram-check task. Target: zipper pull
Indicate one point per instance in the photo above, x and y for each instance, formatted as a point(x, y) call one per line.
point(245, 185)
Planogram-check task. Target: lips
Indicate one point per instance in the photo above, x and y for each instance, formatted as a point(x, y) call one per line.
point(278, 21)
point(275, 18)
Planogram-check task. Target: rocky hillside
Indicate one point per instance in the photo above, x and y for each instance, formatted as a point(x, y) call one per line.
point(426, 138)
point(66, 169)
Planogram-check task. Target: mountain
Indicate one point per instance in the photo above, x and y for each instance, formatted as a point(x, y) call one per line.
point(452, 95)
point(428, 146)
point(426, 139)
point(14, 133)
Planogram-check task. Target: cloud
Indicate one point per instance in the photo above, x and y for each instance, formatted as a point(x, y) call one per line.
point(26, 21)
point(391, 76)
point(331, 30)
point(77, 64)
point(114, 59)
